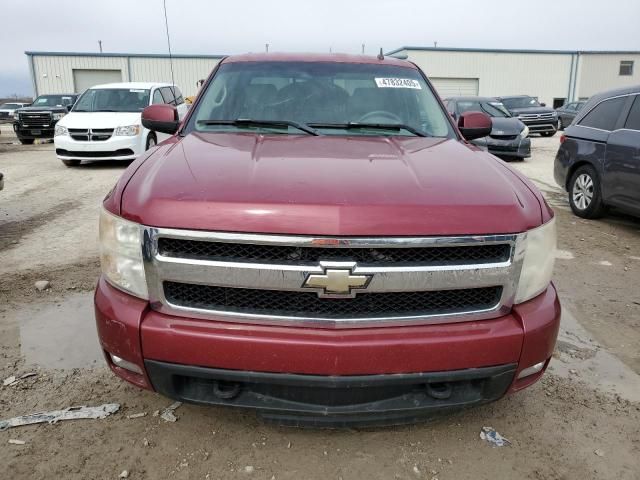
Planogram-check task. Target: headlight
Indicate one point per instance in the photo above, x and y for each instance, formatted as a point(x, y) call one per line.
point(128, 131)
point(121, 254)
point(554, 114)
point(539, 258)
point(58, 116)
point(525, 132)
point(60, 130)
point(16, 116)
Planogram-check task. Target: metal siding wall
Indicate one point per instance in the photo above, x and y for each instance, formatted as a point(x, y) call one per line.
point(59, 70)
point(599, 72)
point(545, 76)
point(187, 71)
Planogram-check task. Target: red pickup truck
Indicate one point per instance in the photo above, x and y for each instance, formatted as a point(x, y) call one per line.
point(318, 241)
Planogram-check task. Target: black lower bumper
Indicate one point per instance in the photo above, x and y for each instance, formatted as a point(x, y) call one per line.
point(33, 132)
point(333, 401)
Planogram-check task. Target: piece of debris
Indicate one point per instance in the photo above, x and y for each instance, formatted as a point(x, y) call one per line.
point(71, 413)
point(599, 452)
point(27, 375)
point(416, 470)
point(146, 442)
point(167, 414)
point(124, 474)
point(249, 469)
point(16, 442)
point(488, 434)
point(137, 415)
point(9, 381)
point(289, 445)
point(42, 285)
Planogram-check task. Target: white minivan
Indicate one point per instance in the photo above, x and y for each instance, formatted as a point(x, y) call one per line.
point(105, 122)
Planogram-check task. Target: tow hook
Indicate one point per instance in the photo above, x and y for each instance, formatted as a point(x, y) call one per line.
point(439, 391)
point(226, 390)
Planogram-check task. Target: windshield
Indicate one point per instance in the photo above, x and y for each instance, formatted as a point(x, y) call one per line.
point(493, 109)
point(520, 102)
point(331, 97)
point(112, 100)
point(53, 101)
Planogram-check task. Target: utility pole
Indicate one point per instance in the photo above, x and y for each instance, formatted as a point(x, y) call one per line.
point(363, 48)
point(435, 44)
point(266, 47)
point(100, 45)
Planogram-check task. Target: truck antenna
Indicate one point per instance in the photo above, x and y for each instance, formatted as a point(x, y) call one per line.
point(166, 24)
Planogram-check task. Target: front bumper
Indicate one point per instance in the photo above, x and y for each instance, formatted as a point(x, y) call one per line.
point(31, 133)
point(518, 147)
point(115, 148)
point(327, 377)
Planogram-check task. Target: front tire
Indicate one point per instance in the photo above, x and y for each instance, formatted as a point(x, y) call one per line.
point(71, 163)
point(26, 141)
point(585, 196)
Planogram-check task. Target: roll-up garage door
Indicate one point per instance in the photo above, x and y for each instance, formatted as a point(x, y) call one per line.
point(85, 78)
point(455, 87)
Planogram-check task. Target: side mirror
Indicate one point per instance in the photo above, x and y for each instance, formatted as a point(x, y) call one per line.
point(161, 118)
point(474, 125)
point(543, 104)
point(69, 107)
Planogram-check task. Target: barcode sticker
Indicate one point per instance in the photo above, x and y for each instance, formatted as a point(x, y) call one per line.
point(398, 83)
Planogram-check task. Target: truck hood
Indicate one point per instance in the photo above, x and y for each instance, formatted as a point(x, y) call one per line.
point(518, 111)
point(328, 185)
point(100, 119)
point(42, 109)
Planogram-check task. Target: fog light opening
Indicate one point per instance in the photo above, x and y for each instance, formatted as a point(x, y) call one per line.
point(532, 370)
point(122, 363)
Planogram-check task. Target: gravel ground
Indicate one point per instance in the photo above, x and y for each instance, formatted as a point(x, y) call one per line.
point(581, 421)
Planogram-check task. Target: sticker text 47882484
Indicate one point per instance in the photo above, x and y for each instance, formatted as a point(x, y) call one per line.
point(398, 83)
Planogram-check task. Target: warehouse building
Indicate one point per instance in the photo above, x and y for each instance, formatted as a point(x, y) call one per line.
point(62, 72)
point(553, 76)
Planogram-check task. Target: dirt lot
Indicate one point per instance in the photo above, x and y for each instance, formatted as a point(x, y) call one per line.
point(581, 421)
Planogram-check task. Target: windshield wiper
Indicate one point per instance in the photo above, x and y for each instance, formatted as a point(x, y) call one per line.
point(371, 126)
point(243, 122)
point(106, 110)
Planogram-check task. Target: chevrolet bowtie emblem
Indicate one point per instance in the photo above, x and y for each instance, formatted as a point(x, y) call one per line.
point(337, 282)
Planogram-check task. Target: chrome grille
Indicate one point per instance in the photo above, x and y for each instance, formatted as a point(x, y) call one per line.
point(35, 119)
point(536, 116)
point(264, 279)
point(90, 134)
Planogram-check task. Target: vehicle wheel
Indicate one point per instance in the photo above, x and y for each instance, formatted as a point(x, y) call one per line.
point(585, 196)
point(71, 163)
point(560, 124)
point(26, 141)
point(548, 134)
point(151, 141)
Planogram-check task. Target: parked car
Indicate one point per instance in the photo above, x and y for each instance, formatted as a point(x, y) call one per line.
point(598, 162)
point(509, 136)
point(105, 122)
point(318, 241)
point(568, 112)
point(8, 109)
point(535, 115)
point(39, 119)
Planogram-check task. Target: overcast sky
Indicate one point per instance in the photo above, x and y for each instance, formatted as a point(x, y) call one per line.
point(224, 27)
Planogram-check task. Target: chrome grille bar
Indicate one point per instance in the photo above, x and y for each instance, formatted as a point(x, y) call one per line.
point(291, 277)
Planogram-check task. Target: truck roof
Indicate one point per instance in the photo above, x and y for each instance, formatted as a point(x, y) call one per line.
point(139, 85)
point(317, 57)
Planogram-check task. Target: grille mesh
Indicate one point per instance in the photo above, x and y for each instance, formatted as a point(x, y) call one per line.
point(308, 304)
point(244, 252)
